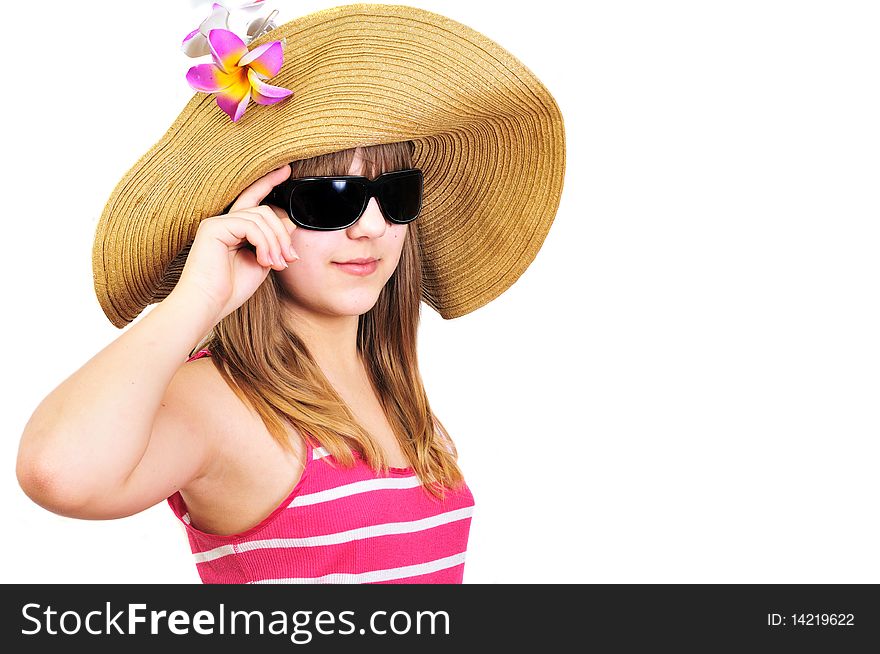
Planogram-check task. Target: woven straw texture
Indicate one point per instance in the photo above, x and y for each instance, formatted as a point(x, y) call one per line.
point(489, 138)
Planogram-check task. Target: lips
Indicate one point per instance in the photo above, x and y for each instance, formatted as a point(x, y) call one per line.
point(360, 267)
point(357, 261)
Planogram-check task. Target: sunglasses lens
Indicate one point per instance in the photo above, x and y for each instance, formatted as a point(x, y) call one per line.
point(401, 197)
point(326, 204)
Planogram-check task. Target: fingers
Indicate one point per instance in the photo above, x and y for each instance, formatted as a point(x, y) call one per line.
point(283, 226)
point(256, 192)
point(276, 249)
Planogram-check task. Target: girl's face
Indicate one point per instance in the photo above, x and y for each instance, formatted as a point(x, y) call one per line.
point(316, 282)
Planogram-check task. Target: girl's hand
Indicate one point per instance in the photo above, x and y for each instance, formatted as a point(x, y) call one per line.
point(232, 253)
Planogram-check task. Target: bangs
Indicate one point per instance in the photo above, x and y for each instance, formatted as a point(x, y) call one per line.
point(378, 159)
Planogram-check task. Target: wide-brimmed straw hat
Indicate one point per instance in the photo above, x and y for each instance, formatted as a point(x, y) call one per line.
point(489, 138)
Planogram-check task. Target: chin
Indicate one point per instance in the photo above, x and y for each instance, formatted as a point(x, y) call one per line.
point(356, 304)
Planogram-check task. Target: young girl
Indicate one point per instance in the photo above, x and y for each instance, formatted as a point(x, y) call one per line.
point(295, 441)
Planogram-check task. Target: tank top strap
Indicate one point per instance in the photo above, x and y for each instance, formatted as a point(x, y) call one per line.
point(199, 354)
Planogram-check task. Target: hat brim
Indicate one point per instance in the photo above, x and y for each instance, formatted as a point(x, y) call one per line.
point(488, 136)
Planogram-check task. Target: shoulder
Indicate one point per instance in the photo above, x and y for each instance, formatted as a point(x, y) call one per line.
point(246, 473)
point(215, 411)
point(198, 376)
point(200, 396)
point(200, 385)
point(222, 414)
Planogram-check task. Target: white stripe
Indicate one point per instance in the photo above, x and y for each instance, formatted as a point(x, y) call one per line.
point(365, 486)
point(386, 529)
point(371, 531)
point(216, 553)
point(373, 576)
point(185, 517)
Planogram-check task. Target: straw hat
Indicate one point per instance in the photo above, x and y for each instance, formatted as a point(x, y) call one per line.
point(488, 136)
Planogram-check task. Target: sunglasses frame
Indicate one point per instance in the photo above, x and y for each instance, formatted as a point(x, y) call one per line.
point(281, 194)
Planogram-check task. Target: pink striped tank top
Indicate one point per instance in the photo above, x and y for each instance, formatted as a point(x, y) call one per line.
point(342, 525)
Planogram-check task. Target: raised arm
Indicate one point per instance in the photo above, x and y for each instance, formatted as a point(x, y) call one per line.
point(124, 431)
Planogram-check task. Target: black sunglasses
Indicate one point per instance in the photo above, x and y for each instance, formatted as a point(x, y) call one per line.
point(337, 202)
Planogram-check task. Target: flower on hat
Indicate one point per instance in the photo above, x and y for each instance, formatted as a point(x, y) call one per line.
point(237, 75)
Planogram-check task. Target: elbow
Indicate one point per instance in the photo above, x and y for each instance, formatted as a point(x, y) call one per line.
point(44, 483)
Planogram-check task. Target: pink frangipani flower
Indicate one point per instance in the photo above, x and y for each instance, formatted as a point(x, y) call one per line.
point(237, 74)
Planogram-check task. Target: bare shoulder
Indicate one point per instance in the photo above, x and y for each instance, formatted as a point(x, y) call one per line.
point(246, 473)
point(210, 404)
point(234, 433)
point(200, 408)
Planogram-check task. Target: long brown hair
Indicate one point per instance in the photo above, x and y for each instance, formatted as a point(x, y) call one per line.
point(268, 366)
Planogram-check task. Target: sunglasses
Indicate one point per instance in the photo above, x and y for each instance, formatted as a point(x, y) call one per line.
point(337, 202)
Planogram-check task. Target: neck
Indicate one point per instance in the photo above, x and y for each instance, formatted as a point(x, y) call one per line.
point(332, 341)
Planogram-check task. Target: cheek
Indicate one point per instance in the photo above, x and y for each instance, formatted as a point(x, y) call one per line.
point(311, 246)
point(398, 232)
point(394, 240)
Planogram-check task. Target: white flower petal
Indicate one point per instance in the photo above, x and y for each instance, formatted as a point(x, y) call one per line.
point(218, 20)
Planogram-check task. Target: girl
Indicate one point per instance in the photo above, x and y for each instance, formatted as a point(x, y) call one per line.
point(295, 441)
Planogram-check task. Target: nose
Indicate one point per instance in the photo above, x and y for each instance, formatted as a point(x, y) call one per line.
point(371, 223)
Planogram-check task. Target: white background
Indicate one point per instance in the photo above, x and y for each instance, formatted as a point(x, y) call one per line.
point(683, 387)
